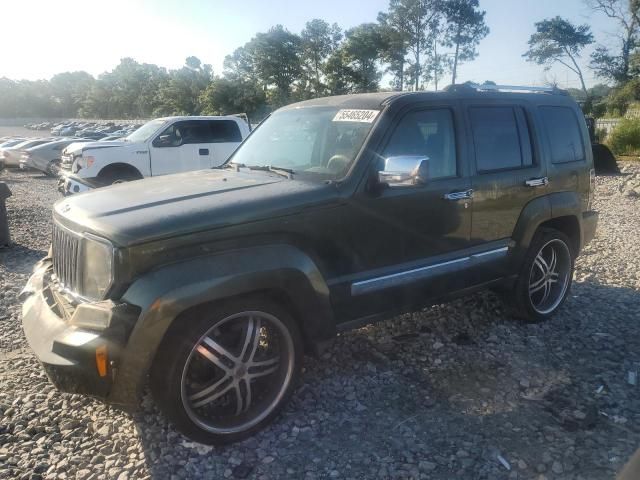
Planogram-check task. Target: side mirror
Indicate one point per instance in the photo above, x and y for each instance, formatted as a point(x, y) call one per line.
point(165, 141)
point(404, 171)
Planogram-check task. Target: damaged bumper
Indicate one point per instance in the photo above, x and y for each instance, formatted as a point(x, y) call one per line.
point(78, 345)
point(70, 184)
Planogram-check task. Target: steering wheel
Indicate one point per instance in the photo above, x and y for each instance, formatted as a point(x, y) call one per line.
point(338, 163)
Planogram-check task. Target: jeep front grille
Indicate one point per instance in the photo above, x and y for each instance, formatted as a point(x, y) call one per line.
point(66, 249)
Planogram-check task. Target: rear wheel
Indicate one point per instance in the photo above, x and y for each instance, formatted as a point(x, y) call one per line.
point(545, 278)
point(222, 375)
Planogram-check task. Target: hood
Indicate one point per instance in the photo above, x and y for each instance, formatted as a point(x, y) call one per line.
point(174, 205)
point(108, 144)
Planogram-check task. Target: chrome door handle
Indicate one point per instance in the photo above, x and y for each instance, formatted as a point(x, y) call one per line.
point(464, 195)
point(537, 182)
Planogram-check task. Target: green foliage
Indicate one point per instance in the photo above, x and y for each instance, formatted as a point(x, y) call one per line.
point(465, 27)
point(618, 64)
point(621, 97)
point(625, 138)
point(224, 96)
point(319, 41)
point(559, 41)
point(272, 69)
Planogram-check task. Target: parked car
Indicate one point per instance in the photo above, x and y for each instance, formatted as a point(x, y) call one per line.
point(46, 157)
point(335, 213)
point(160, 147)
point(12, 154)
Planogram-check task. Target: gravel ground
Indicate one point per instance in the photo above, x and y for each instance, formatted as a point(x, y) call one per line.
point(456, 391)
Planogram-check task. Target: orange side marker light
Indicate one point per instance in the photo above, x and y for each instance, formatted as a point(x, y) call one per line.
point(101, 360)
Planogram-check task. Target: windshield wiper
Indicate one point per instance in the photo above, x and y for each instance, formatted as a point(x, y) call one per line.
point(282, 171)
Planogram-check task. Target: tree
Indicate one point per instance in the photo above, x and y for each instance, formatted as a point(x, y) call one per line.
point(277, 60)
point(338, 73)
point(618, 67)
point(361, 52)
point(409, 26)
point(465, 27)
point(69, 89)
point(559, 41)
point(180, 93)
point(224, 96)
point(394, 32)
point(319, 40)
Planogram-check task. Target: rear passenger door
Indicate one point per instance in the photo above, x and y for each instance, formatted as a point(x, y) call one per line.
point(225, 138)
point(567, 146)
point(507, 174)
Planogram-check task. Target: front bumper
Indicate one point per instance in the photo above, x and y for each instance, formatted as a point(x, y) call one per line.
point(70, 184)
point(66, 349)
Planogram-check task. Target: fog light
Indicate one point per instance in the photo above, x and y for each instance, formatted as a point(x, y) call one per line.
point(101, 360)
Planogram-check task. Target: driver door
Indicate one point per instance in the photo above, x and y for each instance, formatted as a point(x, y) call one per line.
point(181, 147)
point(409, 239)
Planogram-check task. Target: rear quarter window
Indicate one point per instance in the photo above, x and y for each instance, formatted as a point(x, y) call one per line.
point(223, 131)
point(563, 132)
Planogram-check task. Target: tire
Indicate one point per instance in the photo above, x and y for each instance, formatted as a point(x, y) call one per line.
point(53, 168)
point(201, 378)
point(116, 176)
point(545, 278)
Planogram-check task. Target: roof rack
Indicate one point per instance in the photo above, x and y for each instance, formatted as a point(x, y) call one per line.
point(489, 87)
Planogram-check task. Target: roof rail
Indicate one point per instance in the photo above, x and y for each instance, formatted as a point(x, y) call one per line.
point(489, 87)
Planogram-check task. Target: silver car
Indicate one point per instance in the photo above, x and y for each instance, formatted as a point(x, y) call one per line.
point(45, 157)
point(11, 155)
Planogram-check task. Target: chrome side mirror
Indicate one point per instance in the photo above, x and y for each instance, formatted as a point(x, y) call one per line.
point(404, 171)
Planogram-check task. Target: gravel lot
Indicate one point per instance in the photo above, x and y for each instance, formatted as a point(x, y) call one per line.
point(456, 391)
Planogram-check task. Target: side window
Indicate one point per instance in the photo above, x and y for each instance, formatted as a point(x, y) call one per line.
point(563, 132)
point(223, 131)
point(169, 137)
point(500, 138)
point(195, 132)
point(429, 133)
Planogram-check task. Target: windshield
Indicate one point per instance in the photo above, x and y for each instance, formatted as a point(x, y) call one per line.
point(320, 141)
point(144, 132)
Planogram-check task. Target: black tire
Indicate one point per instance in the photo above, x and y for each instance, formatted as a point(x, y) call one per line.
point(115, 176)
point(527, 298)
point(53, 168)
point(187, 372)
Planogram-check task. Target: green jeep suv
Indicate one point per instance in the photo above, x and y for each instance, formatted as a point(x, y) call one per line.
point(334, 213)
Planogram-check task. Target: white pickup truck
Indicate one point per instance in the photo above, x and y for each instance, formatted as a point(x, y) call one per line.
point(159, 147)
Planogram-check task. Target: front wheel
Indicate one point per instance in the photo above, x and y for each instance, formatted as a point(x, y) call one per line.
point(545, 278)
point(53, 168)
point(222, 375)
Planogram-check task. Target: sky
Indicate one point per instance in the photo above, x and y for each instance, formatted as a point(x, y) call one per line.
point(41, 38)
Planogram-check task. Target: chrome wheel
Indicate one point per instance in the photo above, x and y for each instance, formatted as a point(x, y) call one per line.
point(549, 277)
point(237, 372)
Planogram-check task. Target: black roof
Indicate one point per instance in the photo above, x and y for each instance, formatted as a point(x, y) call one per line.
point(380, 99)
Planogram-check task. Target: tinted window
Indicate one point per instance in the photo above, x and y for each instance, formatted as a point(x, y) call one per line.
point(223, 131)
point(563, 132)
point(184, 133)
point(427, 133)
point(497, 139)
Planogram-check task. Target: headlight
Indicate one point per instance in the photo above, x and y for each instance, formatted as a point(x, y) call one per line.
point(86, 161)
point(97, 267)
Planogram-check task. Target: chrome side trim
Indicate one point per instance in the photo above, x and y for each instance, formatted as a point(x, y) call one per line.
point(409, 276)
point(490, 252)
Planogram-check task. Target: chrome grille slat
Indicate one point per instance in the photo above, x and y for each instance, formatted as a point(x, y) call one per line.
point(66, 248)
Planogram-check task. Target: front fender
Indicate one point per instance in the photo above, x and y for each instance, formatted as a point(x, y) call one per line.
point(165, 293)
